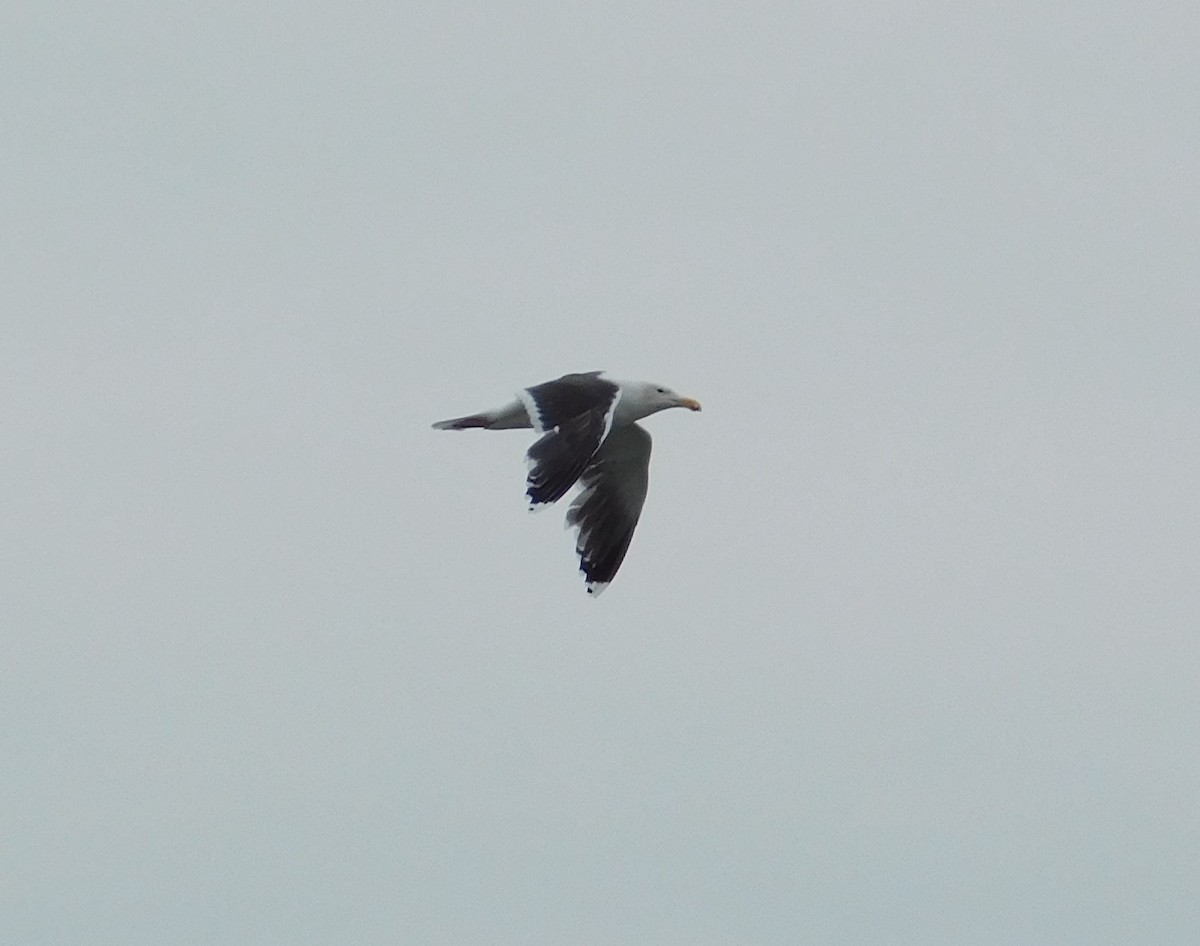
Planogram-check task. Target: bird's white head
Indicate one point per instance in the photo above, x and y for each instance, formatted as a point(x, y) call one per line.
point(642, 398)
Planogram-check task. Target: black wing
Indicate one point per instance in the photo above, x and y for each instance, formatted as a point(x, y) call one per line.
point(556, 402)
point(607, 511)
point(559, 456)
point(575, 412)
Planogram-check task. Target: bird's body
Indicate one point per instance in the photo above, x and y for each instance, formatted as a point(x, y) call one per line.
point(590, 435)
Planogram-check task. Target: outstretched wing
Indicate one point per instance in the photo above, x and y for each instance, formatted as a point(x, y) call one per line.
point(606, 511)
point(574, 415)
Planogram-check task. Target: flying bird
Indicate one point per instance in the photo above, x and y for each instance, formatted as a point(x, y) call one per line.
point(589, 435)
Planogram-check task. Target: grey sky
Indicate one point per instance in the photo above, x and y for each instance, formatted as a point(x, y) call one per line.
point(905, 650)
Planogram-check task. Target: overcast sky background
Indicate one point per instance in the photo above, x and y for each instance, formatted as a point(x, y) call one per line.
point(905, 650)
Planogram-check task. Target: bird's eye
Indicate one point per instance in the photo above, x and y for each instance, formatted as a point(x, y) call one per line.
point(662, 390)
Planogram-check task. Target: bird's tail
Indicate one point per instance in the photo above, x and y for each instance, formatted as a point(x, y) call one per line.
point(509, 416)
point(463, 423)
